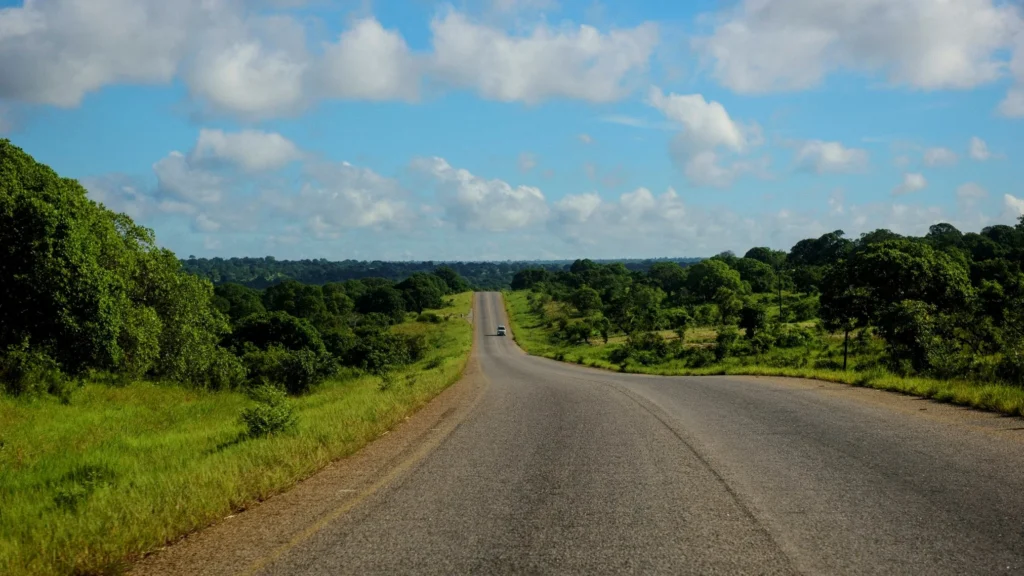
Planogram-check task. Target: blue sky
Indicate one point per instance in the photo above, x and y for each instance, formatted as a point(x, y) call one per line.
point(509, 129)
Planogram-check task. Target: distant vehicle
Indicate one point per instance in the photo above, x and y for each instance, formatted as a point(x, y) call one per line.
point(501, 330)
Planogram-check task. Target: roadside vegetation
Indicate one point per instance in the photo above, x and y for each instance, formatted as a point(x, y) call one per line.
point(940, 316)
point(140, 403)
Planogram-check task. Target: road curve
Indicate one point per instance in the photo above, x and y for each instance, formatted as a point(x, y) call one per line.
point(533, 466)
point(567, 470)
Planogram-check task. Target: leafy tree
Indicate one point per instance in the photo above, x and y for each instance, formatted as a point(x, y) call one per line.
point(707, 277)
point(639, 310)
point(337, 300)
point(385, 300)
point(759, 275)
point(299, 300)
point(678, 320)
point(729, 305)
point(586, 300)
point(262, 331)
point(422, 291)
point(670, 277)
point(773, 258)
point(526, 279)
point(455, 283)
point(237, 301)
point(753, 319)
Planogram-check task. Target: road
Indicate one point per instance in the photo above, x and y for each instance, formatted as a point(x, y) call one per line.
point(560, 469)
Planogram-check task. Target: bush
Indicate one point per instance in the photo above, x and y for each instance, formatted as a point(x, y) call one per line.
point(699, 357)
point(725, 343)
point(25, 372)
point(429, 317)
point(378, 352)
point(270, 415)
point(647, 348)
point(224, 372)
point(793, 337)
point(298, 371)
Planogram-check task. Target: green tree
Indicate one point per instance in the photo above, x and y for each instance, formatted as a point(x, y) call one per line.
point(670, 277)
point(455, 283)
point(752, 319)
point(705, 278)
point(382, 299)
point(586, 300)
point(759, 275)
point(422, 291)
point(299, 300)
point(237, 301)
point(729, 305)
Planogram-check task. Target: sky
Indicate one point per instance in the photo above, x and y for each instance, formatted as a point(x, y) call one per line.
point(521, 129)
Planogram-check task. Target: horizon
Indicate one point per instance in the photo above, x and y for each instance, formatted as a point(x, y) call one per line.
point(522, 130)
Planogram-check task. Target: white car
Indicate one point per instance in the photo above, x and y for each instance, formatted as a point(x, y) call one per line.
point(501, 330)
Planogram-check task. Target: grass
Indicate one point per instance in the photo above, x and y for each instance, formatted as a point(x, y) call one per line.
point(87, 487)
point(532, 334)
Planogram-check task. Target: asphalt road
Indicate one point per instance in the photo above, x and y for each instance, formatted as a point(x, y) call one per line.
point(559, 469)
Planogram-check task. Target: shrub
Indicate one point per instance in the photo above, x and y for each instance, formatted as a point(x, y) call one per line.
point(26, 372)
point(377, 352)
point(793, 337)
point(429, 317)
point(225, 371)
point(297, 371)
point(270, 415)
point(725, 343)
point(699, 357)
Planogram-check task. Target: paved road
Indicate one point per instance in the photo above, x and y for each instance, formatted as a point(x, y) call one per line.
point(565, 470)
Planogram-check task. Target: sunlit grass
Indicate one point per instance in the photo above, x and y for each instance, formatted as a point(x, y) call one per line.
point(534, 336)
point(120, 471)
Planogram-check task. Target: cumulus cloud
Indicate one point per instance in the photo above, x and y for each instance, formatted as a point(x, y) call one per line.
point(978, 149)
point(253, 67)
point(474, 203)
point(939, 157)
point(971, 191)
point(586, 138)
point(252, 150)
point(178, 179)
point(707, 132)
point(370, 63)
point(1013, 105)
point(830, 157)
point(1014, 205)
point(911, 183)
point(56, 52)
point(338, 197)
point(774, 45)
point(567, 62)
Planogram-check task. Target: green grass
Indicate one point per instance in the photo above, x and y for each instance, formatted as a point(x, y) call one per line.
point(87, 487)
point(532, 334)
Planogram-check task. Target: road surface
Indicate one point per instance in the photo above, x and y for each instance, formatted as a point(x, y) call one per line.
point(559, 469)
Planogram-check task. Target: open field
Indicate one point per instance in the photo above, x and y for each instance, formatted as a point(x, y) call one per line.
point(533, 336)
point(88, 486)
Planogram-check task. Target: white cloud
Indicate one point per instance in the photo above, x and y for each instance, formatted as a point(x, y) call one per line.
point(586, 138)
point(566, 62)
point(58, 51)
point(706, 129)
point(825, 157)
point(1014, 205)
point(252, 150)
point(772, 45)
point(527, 161)
point(1013, 105)
point(978, 149)
point(512, 6)
point(177, 178)
point(911, 183)
point(253, 67)
point(939, 157)
point(971, 191)
point(370, 63)
point(474, 203)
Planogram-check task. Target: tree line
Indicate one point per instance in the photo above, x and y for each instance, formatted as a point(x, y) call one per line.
point(85, 293)
point(948, 304)
point(264, 272)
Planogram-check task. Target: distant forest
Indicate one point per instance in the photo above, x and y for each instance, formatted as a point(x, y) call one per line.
point(260, 273)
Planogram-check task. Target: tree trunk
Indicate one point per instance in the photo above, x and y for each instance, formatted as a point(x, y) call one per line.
point(846, 348)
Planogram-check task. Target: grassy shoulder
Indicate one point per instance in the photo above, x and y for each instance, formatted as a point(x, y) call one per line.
point(86, 487)
point(535, 336)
